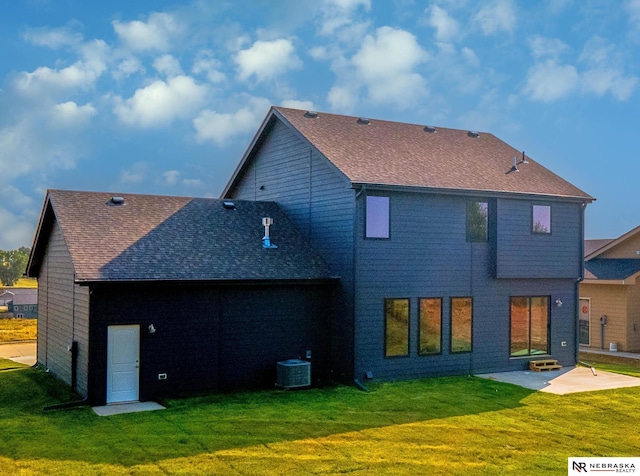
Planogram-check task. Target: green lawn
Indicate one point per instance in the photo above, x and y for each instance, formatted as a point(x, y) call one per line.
point(454, 425)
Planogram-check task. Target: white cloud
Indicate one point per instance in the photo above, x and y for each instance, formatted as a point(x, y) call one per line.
point(496, 17)
point(138, 173)
point(386, 64)
point(548, 81)
point(542, 47)
point(470, 56)
point(206, 64)
point(171, 177)
point(53, 38)
point(296, 104)
point(156, 34)
point(267, 59)
point(337, 14)
point(18, 230)
point(220, 127)
point(447, 28)
point(192, 183)
point(167, 65)
point(319, 53)
point(69, 114)
point(342, 98)
point(632, 7)
point(126, 68)
point(45, 80)
point(161, 102)
point(605, 71)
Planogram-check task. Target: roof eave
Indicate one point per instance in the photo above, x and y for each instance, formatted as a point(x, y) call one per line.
point(33, 266)
point(220, 281)
point(470, 192)
point(248, 152)
point(613, 243)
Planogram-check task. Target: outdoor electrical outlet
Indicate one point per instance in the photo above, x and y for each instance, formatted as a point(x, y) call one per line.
point(162, 376)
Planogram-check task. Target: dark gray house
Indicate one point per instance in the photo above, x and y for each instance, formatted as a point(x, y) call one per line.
point(456, 252)
point(372, 249)
point(142, 296)
point(21, 302)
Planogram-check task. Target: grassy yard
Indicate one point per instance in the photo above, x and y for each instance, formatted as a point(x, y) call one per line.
point(455, 425)
point(12, 330)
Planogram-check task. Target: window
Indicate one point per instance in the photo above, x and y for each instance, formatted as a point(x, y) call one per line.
point(377, 220)
point(477, 221)
point(396, 316)
point(461, 313)
point(430, 326)
point(541, 219)
point(529, 326)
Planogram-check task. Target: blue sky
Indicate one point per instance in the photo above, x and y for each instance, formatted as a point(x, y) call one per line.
point(164, 97)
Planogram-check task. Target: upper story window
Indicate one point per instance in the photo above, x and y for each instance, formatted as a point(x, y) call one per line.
point(377, 218)
point(541, 222)
point(477, 221)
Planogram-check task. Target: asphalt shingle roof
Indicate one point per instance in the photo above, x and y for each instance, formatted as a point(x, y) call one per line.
point(153, 237)
point(611, 269)
point(593, 245)
point(399, 154)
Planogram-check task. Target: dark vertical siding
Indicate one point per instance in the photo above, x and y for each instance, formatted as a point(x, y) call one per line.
point(320, 201)
point(64, 313)
point(210, 337)
point(523, 254)
point(428, 256)
point(264, 325)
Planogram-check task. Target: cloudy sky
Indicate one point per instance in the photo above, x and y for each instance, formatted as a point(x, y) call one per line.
point(163, 97)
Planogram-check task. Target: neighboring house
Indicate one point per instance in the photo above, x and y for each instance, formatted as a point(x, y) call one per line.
point(21, 302)
point(610, 293)
point(105, 266)
point(457, 254)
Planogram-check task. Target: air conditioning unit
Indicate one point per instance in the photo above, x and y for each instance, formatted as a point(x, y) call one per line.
point(293, 373)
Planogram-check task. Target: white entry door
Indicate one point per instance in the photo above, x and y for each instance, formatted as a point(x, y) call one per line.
point(123, 363)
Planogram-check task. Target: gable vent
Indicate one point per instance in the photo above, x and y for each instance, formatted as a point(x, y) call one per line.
point(116, 201)
point(363, 121)
point(429, 129)
point(311, 115)
point(474, 134)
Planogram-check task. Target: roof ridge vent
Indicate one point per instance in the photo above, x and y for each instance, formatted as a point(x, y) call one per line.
point(116, 201)
point(431, 129)
point(474, 134)
point(363, 120)
point(311, 115)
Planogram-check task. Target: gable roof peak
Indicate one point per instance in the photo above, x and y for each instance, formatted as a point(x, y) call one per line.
point(401, 154)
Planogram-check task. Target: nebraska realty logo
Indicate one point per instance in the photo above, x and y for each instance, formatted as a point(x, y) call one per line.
point(603, 465)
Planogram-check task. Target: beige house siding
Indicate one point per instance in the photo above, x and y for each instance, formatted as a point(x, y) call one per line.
point(609, 300)
point(64, 313)
point(633, 318)
point(626, 249)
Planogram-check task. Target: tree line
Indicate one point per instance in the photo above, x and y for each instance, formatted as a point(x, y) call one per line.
point(13, 264)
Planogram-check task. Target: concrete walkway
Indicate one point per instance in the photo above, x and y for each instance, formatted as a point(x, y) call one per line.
point(566, 380)
point(133, 407)
point(23, 352)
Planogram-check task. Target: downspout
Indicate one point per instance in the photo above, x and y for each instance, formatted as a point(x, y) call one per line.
point(355, 283)
point(577, 286)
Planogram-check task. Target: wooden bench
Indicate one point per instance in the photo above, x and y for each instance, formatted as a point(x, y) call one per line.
point(542, 365)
